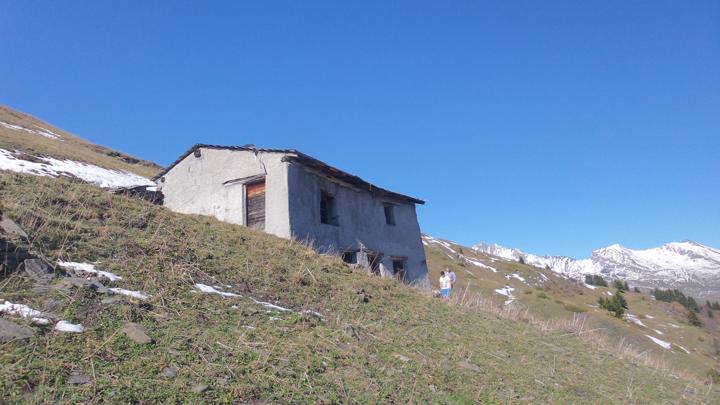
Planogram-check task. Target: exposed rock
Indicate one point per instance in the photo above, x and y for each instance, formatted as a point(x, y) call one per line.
point(142, 193)
point(136, 332)
point(469, 366)
point(169, 372)
point(98, 287)
point(39, 269)
point(362, 295)
point(66, 283)
point(354, 332)
point(13, 230)
point(11, 256)
point(12, 331)
point(200, 388)
point(404, 359)
point(78, 378)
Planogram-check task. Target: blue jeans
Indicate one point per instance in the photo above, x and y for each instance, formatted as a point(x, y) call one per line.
point(445, 292)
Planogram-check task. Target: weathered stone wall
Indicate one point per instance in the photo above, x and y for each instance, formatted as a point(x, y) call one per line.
point(360, 222)
point(195, 186)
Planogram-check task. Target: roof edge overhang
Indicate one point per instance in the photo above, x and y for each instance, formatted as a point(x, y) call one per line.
point(295, 156)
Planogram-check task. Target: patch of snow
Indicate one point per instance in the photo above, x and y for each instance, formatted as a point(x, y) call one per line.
point(649, 317)
point(659, 342)
point(269, 305)
point(515, 276)
point(129, 293)
point(316, 313)
point(507, 291)
point(635, 320)
point(609, 293)
point(684, 349)
point(52, 167)
point(479, 264)
point(23, 311)
point(39, 131)
point(674, 326)
point(658, 332)
point(65, 326)
point(544, 277)
point(590, 286)
point(89, 268)
point(211, 290)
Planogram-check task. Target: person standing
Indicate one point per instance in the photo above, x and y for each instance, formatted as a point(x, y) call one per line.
point(445, 285)
point(453, 277)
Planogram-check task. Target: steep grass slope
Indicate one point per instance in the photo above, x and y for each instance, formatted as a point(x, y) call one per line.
point(374, 340)
point(647, 329)
point(34, 137)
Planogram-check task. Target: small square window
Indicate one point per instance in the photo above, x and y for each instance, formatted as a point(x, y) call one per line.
point(349, 257)
point(389, 214)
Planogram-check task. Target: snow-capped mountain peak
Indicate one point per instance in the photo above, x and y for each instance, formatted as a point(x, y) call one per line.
point(686, 264)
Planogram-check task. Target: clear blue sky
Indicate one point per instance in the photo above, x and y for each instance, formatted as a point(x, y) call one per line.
point(556, 127)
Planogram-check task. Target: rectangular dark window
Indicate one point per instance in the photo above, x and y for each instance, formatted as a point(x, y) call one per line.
point(389, 214)
point(349, 257)
point(328, 213)
point(399, 268)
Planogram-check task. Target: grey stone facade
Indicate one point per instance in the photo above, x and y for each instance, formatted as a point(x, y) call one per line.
point(304, 200)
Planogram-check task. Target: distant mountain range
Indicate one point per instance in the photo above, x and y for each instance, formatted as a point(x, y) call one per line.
point(686, 265)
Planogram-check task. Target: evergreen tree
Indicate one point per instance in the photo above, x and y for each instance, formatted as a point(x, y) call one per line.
point(693, 319)
point(709, 312)
point(637, 290)
point(621, 285)
point(615, 304)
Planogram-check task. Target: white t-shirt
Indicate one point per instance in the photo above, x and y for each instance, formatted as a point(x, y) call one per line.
point(445, 282)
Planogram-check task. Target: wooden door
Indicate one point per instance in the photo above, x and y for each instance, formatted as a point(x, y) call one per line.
point(255, 205)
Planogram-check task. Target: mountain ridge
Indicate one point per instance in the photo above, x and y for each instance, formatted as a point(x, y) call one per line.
point(686, 265)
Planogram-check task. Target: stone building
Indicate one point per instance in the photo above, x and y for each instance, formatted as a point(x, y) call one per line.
point(292, 195)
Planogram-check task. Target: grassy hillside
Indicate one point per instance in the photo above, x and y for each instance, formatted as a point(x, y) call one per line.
point(19, 131)
point(376, 341)
point(547, 296)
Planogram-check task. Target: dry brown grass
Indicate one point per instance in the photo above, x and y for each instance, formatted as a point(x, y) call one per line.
point(71, 147)
point(578, 326)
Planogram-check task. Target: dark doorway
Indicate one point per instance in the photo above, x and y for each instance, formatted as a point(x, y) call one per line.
point(399, 269)
point(374, 263)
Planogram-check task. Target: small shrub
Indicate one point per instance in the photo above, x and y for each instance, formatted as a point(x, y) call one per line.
point(542, 295)
point(527, 292)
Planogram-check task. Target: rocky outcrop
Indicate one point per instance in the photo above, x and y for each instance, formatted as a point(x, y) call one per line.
point(142, 193)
